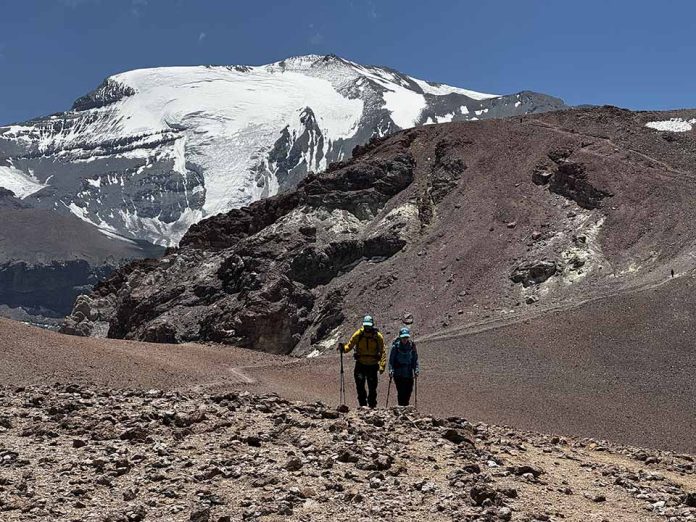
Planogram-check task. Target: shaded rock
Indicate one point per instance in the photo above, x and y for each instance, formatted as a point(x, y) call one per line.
point(524, 469)
point(571, 182)
point(294, 464)
point(458, 437)
point(533, 272)
point(481, 492)
point(200, 514)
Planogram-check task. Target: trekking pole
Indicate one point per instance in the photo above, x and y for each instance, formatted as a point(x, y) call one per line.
point(388, 390)
point(416, 392)
point(342, 388)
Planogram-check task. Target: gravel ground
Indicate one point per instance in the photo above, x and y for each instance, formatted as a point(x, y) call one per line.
point(78, 453)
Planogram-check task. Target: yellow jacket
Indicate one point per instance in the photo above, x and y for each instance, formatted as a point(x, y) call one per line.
point(369, 348)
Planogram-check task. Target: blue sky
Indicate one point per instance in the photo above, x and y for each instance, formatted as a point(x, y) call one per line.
point(636, 54)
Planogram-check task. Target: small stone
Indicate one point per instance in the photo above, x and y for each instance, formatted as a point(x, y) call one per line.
point(78, 443)
point(307, 492)
point(595, 497)
point(689, 500)
point(457, 437)
point(294, 464)
point(481, 493)
point(200, 514)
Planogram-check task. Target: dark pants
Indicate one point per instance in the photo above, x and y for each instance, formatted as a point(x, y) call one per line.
point(366, 373)
point(404, 387)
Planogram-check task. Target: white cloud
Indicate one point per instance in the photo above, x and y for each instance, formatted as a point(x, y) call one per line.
point(73, 4)
point(137, 6)
point(316, 39)
point(372, 9)
point(202, 37)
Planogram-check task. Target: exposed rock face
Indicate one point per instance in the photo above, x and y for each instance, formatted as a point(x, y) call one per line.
point(48, 288)
point(438, 224)
point(255, 288)
point(533, 273)
point(570, 181)
point(110, 91)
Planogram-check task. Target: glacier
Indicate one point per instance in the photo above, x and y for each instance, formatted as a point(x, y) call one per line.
point(152, 151)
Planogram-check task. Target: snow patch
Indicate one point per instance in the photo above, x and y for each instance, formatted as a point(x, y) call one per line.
point(443, 90)
point(405, 106)
point(672, 125)
point(328, 343)
point(21, 183)
point(445, 119)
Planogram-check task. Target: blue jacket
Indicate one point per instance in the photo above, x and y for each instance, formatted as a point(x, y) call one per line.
point(403, 359)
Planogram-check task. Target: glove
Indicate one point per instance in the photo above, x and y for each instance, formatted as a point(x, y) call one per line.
point(381, 371)
point(340, 347)
point(391, 373)
point(417, 372)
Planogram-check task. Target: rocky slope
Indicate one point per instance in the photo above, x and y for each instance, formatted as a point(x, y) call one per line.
point(149, 152)
point(442, 226)
point(69, 452)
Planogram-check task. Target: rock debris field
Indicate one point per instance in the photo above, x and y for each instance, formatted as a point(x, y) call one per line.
point(83, 453)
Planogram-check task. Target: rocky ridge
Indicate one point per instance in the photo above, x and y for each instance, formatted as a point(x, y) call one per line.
point(150, 152)
point(500, 219)
point(72, 452)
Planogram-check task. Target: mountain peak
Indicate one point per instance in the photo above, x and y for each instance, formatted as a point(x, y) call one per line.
point(151, 151)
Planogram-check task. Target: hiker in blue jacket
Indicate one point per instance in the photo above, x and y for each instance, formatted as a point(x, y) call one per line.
point(403, 365)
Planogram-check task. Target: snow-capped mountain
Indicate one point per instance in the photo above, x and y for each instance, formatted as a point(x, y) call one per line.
point(152, 151)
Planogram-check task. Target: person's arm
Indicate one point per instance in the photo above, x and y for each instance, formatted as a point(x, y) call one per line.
point(383, 357)
point(353, 341)
point(416, 364)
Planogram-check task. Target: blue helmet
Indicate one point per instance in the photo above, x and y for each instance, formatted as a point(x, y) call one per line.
point(405, 332)
point(368, 321)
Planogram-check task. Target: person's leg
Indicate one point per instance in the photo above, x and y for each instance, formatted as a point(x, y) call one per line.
point(408, 389)
point(400, 391)
point(371, 373)
point(360, 377)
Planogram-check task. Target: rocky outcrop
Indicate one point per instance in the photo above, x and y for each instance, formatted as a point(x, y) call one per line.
point(247, 277)
point(108, 92)
point(533, 272)
point(570, 181)
point(441, 224)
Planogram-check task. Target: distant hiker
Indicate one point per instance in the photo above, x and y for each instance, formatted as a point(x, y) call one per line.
point(370, 358)
point(403, 365)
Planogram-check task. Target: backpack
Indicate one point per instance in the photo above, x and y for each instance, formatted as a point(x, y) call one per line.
point(404, 357)
point(357, 354)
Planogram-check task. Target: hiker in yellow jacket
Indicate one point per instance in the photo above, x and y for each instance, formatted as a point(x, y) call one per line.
point(370, 357)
